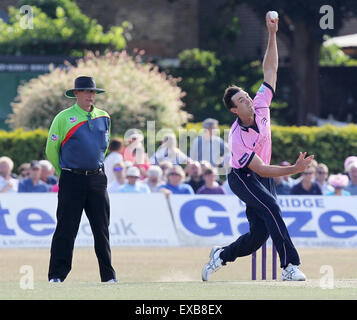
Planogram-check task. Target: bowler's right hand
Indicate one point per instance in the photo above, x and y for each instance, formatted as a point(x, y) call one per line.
point(302, 163)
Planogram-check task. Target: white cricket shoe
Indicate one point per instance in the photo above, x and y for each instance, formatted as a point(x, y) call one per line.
point(214, 264)
point(292, 273)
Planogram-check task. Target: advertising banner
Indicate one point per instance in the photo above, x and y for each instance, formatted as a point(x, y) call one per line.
point(29, 220)
point(312, 221)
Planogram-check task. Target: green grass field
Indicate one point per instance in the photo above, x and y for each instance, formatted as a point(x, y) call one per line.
point(174, 274)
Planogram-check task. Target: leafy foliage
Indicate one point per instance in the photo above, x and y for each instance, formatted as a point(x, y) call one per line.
point(205, 77)
point(59, 27)
point(332, 55)
point(135, 93)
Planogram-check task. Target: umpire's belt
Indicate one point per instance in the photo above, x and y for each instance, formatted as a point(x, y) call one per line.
point(84, 172)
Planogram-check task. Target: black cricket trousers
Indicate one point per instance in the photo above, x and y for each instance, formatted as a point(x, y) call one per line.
point(78, 192)
point(264, 217)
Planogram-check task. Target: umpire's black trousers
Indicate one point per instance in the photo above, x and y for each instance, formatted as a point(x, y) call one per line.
point(264, 217)
point(78, 192)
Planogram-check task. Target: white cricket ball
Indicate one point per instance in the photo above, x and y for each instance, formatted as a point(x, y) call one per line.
point(273, 15)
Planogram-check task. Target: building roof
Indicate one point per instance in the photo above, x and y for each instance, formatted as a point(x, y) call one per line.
point(347, 41)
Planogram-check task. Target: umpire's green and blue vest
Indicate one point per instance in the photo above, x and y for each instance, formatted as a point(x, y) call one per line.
point(78, 139)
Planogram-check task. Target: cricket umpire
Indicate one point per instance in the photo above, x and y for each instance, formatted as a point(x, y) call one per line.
point(77, 143)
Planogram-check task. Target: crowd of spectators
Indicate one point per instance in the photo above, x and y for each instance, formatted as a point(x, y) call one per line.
point(171, 171)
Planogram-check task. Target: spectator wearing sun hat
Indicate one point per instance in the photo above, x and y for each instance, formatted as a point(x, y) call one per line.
point(133, 185)
point(339, 182)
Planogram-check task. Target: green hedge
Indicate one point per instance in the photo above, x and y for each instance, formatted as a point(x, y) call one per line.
point(23, 146)
point(330, 145)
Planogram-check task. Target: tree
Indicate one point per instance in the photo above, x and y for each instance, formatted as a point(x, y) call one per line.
point(59, 28)
point(135, 93)
point(301, 27)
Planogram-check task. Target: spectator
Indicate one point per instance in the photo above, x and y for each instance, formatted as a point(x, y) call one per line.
point(134, 142)
point(210, 187)
point(352, 173)
point(47, 172)
point(205, 165)
point(195, 179)
point(113, 158)
point(7, 182)
point(338, 181)
point(133, 185)
point(175, 185)
point(154, 178)
point(170, 152)
point(288, 179)
point(282, 187)
point(321, 179)
point(209, 146)
point(119, 173)
point(141, 162)
point(165, 167)
point(307, 185)
point(33, 183)
point(348, 162)
point(24, 170)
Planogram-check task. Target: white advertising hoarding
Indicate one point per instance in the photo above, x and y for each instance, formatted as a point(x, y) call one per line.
point(29, 220)
point(312, 221)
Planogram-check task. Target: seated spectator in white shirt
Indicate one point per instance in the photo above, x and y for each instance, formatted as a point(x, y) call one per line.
point(114, 157)
point(321, 179)
point(7, 182)
point(47, 172)
point(133, 185)
point(119, 172)
point(154, 178)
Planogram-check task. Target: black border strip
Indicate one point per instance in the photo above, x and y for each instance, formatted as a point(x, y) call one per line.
point(270, 87)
